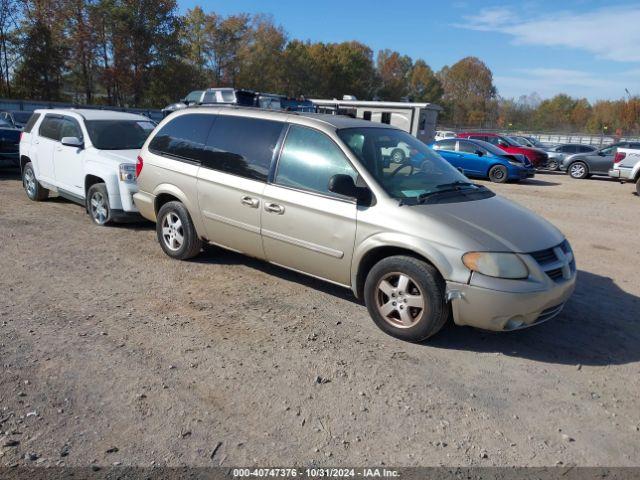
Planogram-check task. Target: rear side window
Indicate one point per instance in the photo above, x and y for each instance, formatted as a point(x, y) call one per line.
point(50, 127)
point(309, 159)
point(447, 145)
point(242, 146)
point(32, 121)
point(584, 149)
point(184, 137)
point(479, 137)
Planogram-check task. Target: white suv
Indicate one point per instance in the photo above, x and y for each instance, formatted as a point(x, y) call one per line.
point(87, 156)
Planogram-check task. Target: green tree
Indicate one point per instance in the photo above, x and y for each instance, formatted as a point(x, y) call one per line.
point(38, 76)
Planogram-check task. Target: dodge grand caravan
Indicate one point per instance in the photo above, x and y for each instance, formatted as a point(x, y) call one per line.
point(316, 194)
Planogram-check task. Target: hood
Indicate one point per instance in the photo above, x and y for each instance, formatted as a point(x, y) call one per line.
point(491, 224)
point(119, 156)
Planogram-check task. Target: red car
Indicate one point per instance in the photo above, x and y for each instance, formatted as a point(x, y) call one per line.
point(537, 157)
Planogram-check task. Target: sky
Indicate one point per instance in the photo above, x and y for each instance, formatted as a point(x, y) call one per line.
point(584, 48)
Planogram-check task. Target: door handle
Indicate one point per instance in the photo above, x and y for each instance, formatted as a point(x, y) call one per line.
point(249, 201)
point(274, 208)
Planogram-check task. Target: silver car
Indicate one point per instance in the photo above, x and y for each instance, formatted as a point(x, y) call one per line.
point(417, 241)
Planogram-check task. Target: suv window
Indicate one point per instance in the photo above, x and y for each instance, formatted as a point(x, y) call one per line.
point(50, 127)
point(32, 121)
point(184, 137)
point(242, 146)
point(584, 149)
point(69, 128)
point(567, 149)
point(309, 159)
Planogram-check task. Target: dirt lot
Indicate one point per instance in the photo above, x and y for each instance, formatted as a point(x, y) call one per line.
point(113, 353)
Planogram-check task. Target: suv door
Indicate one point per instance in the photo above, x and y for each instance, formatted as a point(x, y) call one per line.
point(68, 161)
point(235, 167)
point(602, 160)
point(45, 143)
point(304, 226)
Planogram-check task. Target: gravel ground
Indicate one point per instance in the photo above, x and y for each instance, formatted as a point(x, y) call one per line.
point(114, 354)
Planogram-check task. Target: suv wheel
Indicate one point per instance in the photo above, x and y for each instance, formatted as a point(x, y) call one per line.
point(552, 165)
point(98, 204)
point(578, 170)
point(498, 174)
point(176, 232)
point(406, 298)
point(32, 187)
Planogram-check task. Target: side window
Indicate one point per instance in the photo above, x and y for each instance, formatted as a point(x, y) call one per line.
point(309, 159)
point(446, 145)
point(467, 147)
point(69, 128)
point(567, 149)
point(242, 146)
point(50, 127)
point(366, 115)
point(184, 137)
point(32, 121)
point(479, 137)
point(584, 149)
point(386, 117)
point(609, 150)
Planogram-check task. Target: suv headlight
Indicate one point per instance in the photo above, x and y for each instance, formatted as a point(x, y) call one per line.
point(128, 172)
point(494, 264)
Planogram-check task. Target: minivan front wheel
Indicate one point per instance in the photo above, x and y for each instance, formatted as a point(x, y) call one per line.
point(176, 233)
point(405, 297)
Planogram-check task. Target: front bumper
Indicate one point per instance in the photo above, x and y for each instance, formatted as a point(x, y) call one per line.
point(501, 310)
point(146, 205)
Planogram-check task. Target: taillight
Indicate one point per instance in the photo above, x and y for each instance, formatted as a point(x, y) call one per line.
point(619, 157)
point(139, 166)
point(21, 134)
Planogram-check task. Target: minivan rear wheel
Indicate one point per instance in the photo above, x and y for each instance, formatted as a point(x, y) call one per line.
point(176, 233)
point(498, 174)
point(405, 297)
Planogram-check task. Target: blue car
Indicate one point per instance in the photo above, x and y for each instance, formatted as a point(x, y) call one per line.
point(484, 160)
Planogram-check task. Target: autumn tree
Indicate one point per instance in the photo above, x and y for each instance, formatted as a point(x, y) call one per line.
point(469, 92)
point(423, 85)
point(393, 72)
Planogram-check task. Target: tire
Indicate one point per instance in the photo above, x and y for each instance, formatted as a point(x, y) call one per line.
point(638, 186)
point(426, 289)
point(32, 187)
point(176, 233)
point(552, 165)
point(397, 155)
point(498, 174)
point(578, 170)
point(98, 204)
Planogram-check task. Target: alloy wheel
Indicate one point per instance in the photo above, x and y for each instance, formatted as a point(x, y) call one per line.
point(99, 208)
point(399, 300)
point(577, 170)
point(29, 182)
point(172, 231)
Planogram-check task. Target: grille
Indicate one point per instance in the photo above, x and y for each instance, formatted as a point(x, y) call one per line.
point(555, 274)
point(544, 257)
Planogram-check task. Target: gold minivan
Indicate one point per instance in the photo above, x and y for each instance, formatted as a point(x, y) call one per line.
point(319, 194)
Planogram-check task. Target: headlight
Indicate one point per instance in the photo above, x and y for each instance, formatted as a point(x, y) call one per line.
point(515, 163)
point(500, 265)
point(128, 172)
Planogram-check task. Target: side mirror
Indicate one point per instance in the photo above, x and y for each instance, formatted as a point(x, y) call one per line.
point(343, 185)
point(460, 169)
point(71, 142)
point(479, 153)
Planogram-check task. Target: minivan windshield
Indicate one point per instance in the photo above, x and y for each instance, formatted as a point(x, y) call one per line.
point(416, 174)
point(119, 134)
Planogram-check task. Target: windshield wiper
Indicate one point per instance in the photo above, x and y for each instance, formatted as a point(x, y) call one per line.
point(456, 186)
